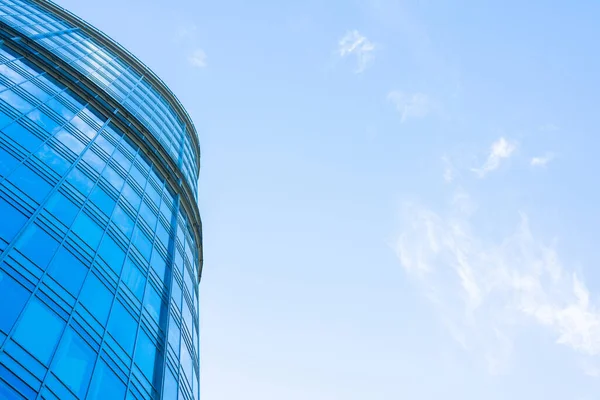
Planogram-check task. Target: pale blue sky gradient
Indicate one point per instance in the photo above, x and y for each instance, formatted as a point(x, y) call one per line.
point(399, 198)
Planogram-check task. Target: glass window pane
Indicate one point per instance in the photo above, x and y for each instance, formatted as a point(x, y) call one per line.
point(153, 303)
point(62, 208)
point(113, 177)
point(70, 141)
point(174, 335)
point(74, 362)
point(23, 136)
point(133, 278)
point(187, 315)
point(112, 254)
point(122, 327)
point(105, 384)
point(37, 245)
point(68, 270)
point(123, 221)
point(12, 300)
point(88, 230)
point(27, 334)
point(94, 161)
point(142, 243)
point(101, 199)
point(43, 120)
point(186, 362)
point(131, 195)
point(170, 388)
point(96, 298)
point(12, 221)
point(7, 162)
point(145, 355)
point(104, 144)
point(52, 159)
point(30, 183)
point(158, 264)
point(148, 215)
point(176, 293)
point(80, 181)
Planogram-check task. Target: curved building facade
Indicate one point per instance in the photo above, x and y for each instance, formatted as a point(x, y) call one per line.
point(100, 234)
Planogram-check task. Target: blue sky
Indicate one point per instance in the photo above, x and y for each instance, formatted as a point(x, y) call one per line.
point(398, 197)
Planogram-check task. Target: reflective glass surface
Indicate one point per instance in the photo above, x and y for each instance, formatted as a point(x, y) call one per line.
point(98, 257)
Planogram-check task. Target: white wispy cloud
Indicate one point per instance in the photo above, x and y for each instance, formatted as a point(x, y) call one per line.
point(448, 170)
point(486, 290)
point(549, 127)
point(542, 160)
point(500, 149)
point(186, 32)
point(197, 58)
point(354, 43)
point(415, 105)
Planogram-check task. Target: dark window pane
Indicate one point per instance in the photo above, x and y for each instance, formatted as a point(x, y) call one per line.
point(122, 327)
point(105, 384)
point(37, 245)
point(38, 315)
point(96, 298)
point(12, 300)
point(67, 270)
point(74, 362)
point(12, 221)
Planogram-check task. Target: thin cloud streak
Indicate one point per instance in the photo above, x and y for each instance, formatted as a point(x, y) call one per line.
point(542, 161)
point(198, 59)
point(487, 291)
point(354, 43)
point(415, 105)
point(500, 150)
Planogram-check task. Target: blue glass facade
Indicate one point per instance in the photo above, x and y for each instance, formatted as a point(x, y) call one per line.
point(100, 236)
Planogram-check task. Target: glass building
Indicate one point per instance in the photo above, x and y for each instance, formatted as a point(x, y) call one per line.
point(100, 234)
